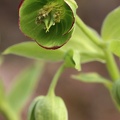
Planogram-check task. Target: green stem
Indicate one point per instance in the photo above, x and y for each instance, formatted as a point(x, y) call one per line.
point(87, 31)
point(7, 111)
point(111, 65)
point(110, 62)
point(55, 80)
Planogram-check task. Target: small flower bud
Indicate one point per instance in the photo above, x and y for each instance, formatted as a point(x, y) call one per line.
point(48, 108)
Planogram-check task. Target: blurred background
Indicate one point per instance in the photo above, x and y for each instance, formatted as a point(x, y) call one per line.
point(84, 101)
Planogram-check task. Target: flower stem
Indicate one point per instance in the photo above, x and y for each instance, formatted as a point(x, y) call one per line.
point(110, 61)
point(111, 65)
point(87, 31)
point(55, 80)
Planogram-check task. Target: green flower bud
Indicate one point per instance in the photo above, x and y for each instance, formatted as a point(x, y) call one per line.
point(48, 108)
point(116, 92)
point(49, 22)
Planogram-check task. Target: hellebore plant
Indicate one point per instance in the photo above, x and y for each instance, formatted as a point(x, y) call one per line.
point(60, 35)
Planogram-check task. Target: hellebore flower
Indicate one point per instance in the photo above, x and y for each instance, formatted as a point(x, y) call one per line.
point(48, 108)
point(49, 22)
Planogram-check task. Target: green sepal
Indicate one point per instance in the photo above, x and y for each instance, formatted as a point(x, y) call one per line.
point(31, 110)
point(73, 5)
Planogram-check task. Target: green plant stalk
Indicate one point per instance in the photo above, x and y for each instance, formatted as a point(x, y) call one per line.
point(111, 65)
point(7, 111)
point(51, 90)
point(87, 31)
point(110, 61)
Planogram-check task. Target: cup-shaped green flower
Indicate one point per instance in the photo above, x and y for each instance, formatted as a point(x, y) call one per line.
point(48, 108)
point(49, 22)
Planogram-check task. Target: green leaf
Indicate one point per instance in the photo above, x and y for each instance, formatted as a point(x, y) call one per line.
point(49, 23)
point(111, 26)
point(92, 78)
point(24, 86)
point(32, 50)
point(114, 46)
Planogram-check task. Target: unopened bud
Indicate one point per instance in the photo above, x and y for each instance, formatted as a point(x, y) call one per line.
point(48, 108)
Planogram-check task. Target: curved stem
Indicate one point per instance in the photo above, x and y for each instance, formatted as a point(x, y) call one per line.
point(55, 80)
